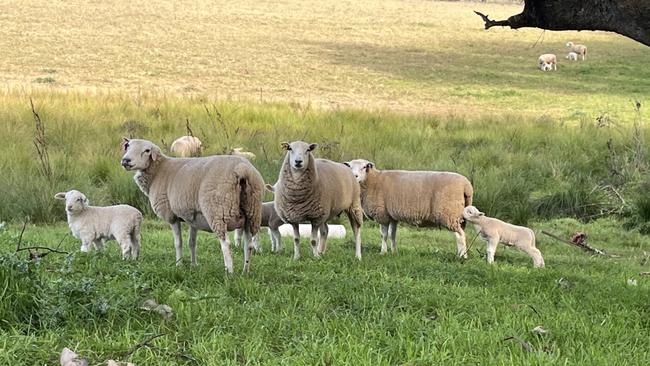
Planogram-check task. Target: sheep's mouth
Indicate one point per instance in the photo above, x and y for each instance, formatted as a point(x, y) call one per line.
point(127, 166)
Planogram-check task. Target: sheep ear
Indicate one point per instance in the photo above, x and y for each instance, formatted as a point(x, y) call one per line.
point(481, 213)
point(347, 164)
point(155, 153)
point(285, 145)
point(369, 166)
point(60, 196)
point(125, 143)
point(312, 147)
point(269, 188)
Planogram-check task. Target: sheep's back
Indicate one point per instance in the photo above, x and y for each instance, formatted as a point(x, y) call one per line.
point(338, 186)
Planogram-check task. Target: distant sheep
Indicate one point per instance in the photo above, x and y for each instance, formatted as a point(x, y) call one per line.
point(316, 190)
point(547, 62)
point(239, 151)
point(420, 198)
point(572, 56)
point(214, 193)
point(495, 231)
point(95, 225)
point(579, 49)
point(186, 146)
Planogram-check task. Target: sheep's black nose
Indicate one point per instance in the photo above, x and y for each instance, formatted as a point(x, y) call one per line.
point(126, 161)
point(298, 163)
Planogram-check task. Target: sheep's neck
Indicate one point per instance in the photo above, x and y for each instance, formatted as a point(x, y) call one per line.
point(299, 187)
point(144, 178)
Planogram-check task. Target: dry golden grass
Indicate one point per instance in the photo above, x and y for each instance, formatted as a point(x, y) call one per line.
point(398, 55)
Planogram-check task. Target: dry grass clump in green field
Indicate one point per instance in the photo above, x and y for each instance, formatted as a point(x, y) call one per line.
point(408, 56)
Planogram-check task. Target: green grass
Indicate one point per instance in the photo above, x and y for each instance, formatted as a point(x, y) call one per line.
point(420, 307)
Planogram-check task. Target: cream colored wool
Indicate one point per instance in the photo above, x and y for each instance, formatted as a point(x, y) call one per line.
point(580, 49)
point(186, 146)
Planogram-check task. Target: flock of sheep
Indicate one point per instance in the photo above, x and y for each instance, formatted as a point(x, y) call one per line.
point(222, 193)
point(548, 61)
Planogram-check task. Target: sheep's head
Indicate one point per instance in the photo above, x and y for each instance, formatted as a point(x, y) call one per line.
point(569, 44)
point(547, 67)
point(299, 153)
point(472, 213)
point(360, 168)
point(139, 154)
point(75, 201)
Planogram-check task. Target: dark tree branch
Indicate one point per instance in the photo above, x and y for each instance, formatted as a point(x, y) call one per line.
point(489, 23)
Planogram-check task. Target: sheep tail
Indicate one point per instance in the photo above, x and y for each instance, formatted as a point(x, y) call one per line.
point(251, 190)
point(468, 193)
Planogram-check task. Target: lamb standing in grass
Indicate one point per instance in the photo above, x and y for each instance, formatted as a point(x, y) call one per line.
point(214, 194)
point(95, 225)
point(579, 49)
point(316, 190)
point(186, 146)
point(495, 231)
point(547, 62)
point(572, 56)
point(418, 198)
point(271, 220)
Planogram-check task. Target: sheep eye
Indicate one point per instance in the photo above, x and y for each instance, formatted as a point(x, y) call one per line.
point(288, 148)
point(147, 150)
point(79, 199)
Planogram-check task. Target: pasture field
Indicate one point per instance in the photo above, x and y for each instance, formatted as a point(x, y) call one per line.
point(406, 84)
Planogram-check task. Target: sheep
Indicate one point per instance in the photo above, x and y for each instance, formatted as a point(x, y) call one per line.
point(214, 194)
point(420, 198)
point(240, 152)
point(95, 225)
point(186, 146)
point(316, 190)
point(547, 62)
point(572, 56)
point(495, 231)
point(271, 220)
point(579, 49)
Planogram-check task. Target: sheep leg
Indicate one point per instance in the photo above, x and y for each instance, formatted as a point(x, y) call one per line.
point(383, 230)
point(225, 250)
point(534, 253)
point(256, 243)
point(99, 244)
point(491, 248)
point(126, 245)
point(178, 241)
point(392, 230)
point(296, 242)
point(238, 237)
point(322, 241)
point(314, 240)
point(276, 240)
point(461, 249)
point(192, 244)
point(135, 239)
point(249, 245)
point(85, 245)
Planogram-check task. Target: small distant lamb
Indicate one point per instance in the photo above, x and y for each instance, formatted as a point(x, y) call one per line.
point(495, 231)
point(186, 146)
point(271, 220)
point(572, 56)
point(578, 49)
point(547, 62)
point(239, 151)
point(95, 225)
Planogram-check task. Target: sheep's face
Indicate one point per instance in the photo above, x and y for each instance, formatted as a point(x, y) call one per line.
point(138, 154)
point(472, 213)
point(75, 201)
point(360, 169)
point(299, 154)
point(546, 67)
point(569, 44)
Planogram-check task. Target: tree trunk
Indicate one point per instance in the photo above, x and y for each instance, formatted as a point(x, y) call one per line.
point(630, 18)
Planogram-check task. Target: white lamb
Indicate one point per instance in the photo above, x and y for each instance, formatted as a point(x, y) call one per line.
point(95, 225)
point(186, 146)
point(572, 56)
point(547, 62)
point(495, 231)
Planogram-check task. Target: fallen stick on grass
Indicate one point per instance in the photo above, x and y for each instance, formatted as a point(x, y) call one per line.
point(580, 244)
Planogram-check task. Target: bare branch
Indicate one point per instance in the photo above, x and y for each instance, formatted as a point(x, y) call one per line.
point(489, 23)
point(43, 248)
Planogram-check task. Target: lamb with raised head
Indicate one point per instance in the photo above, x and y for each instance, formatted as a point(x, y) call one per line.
point(495, 231)
point(579, 49)
point(547, 62)
point(214, 194)
point(572, 56)
point(315, 191)
point(186, 146)
point(420, 198)
point(95, 225)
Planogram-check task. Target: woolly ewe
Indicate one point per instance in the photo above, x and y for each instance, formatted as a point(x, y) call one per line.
point(186, 146)
point(316, 190)
point(214, 194)
point(418, 198)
